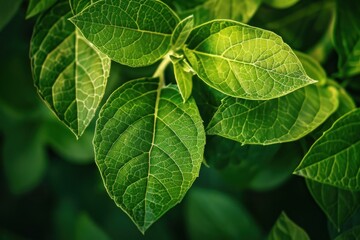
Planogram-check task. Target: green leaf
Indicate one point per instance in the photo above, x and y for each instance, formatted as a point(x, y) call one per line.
point(38, 6)
point(79, 5)
point(183, 75)
point(69, 73)
point(334, 158)
point(278, 169)
point(352, 234)
point(213, 215)
point(346, 36)
point(87, 229)
point(24, 156)
point(346, 104)
point(112, 27)
point(149, 148)
point(338, 204)
point(7, 11)
point(312, 67)
point(239, 10)
point(249, 63)
point(284, 228)
point(182, 32)
point(281, 3)
point(284, 119)
point(79, 151)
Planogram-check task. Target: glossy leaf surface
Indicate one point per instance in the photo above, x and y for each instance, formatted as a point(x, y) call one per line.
point(69, 73)
point(128, 31)
point(244, 61)
point(334, 158)
point(149, 147)
point(284, 119)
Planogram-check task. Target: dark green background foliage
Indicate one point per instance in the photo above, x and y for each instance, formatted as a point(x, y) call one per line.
point(280, 161)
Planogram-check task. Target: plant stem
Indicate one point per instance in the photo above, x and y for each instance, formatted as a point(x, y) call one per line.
point(160, 71)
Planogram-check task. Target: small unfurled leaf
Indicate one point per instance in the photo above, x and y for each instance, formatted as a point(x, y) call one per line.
point(182, 32)
point(346, 36)
point(212, 215)
point(149, 148)
point(284, 119)
point(238, 10)
point(285, 228)
point(352, 234)
point(281, 3)
point(38, 6)
point(183, 75)
point(338, 204)
point(69, 72)
point(7, 11)
point(244, 61)
point(133, 33)
point(334, 158)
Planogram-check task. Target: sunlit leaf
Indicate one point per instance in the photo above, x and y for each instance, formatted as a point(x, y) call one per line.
point(334, 158)
point(134, 41)
point(249, 63)
point(69, 73)
point(149, 147)
point(284, 119)
point(183, 75)
point(182, 32)
point(285, 228)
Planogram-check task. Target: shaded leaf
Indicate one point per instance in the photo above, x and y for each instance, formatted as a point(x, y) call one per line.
point(337, 204)
point(284, 119)
point(213, 215)
point(334, 158)
point(63, 142)
point(24, 168)
point(352, 234)
point(69, 73)
point(346, 36)
point(244, 65)
point(239, 10)
point(87, 229)
point(149, 148)
point(7, 11)
point(38, 6)
point(111, 26)
point(285, 228)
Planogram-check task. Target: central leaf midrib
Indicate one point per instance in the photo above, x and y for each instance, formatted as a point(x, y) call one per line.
point(156, 108)
point(246, 63)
